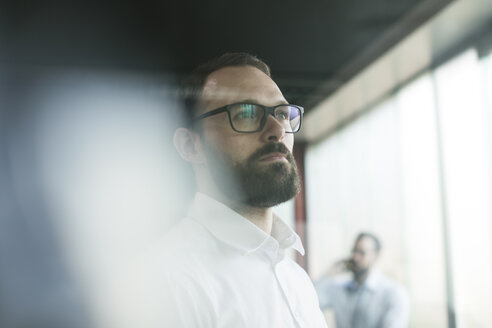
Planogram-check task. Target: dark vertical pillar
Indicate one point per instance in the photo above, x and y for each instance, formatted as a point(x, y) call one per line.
point(300, 203)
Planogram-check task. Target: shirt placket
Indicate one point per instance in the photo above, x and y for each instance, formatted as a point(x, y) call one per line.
point(288, 294)
point(357, 317)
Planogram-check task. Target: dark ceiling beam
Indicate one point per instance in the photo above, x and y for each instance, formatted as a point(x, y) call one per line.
point(410, 22)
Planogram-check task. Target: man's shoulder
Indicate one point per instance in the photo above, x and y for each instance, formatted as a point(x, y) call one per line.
point(184, 244)
point(386, 282)
point(183, 236)
point(391, 288)
point(181, 254)
point(167, 271)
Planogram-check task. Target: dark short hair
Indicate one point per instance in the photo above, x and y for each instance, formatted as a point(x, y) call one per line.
point(377, 243)
point(193, 84)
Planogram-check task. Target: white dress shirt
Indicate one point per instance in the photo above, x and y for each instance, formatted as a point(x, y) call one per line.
point(216, 269)
point(376, 303)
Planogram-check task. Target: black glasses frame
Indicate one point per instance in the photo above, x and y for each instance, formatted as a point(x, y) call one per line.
point(268, 111)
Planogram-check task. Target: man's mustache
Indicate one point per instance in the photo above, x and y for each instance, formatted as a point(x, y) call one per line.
point(271, 148)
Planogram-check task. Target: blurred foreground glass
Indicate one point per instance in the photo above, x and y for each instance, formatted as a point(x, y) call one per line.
point(249, 118)
point(91, 180)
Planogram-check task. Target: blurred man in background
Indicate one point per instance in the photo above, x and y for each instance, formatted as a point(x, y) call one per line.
point(367, 299)
point(224, 265)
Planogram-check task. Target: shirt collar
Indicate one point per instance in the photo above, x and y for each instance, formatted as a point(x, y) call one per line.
point(373, 280)
point(231, 228)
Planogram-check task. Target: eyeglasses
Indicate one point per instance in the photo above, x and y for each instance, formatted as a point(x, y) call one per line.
point(249, 118)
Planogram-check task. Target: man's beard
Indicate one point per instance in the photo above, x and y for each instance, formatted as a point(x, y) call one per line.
point(252, 183)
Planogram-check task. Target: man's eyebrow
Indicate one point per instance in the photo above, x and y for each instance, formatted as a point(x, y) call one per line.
point(251, 101)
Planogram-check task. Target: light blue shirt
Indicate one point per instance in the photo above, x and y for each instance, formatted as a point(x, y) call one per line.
point(377, 303)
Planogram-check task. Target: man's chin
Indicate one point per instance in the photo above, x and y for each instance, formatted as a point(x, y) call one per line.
point(273, 190)
point(269, 201)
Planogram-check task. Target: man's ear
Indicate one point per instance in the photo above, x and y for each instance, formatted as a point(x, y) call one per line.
point(187, 144)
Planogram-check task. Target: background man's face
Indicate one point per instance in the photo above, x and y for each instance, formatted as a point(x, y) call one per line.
point(253, 168)
point(364, 255)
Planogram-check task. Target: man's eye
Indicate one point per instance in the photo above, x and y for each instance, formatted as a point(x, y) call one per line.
point(282, 115)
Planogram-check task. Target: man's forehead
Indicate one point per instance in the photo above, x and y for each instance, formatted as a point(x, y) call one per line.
point(365, 242)
point(234, 84)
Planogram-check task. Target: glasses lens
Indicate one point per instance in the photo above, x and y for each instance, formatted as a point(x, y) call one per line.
point(289, 116)
point(246, 117)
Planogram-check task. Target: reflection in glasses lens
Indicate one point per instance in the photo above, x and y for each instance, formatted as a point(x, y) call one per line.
point(251, 117)
point(246, 117)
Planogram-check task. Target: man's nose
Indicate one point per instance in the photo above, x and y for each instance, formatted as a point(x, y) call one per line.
point(273, 130)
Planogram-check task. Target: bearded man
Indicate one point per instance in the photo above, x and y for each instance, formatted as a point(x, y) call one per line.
point(224, 265)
